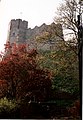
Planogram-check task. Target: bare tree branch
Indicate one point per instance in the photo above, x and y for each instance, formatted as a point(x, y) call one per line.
point(66, 15)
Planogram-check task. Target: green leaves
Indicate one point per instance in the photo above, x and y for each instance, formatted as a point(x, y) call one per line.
point(64, 65)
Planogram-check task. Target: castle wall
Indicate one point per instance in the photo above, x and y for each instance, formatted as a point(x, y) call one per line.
point(20, 33)
point(48, 43)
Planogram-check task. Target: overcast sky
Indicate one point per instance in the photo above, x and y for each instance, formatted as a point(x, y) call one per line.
point(36, 12)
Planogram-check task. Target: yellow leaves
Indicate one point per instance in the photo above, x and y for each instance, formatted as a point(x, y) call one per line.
point(43, 36)
point(46, 34)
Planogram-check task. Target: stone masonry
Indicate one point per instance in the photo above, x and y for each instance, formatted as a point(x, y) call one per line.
point(43, 37)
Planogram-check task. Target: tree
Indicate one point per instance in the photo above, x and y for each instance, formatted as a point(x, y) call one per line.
point(52, 35)
point(70, 16)
point(3, 88)
point(24, 77)
point(67, 16)
point(63, 63)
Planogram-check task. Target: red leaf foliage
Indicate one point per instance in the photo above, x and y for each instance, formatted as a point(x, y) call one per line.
point(75, 109)
point(19, 68)
point(3, 87)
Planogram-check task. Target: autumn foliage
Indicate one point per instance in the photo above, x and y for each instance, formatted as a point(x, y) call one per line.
point(75, 109)
point(3, 87)
point(24, 78)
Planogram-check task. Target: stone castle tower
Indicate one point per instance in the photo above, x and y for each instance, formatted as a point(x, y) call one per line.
point(19, 33)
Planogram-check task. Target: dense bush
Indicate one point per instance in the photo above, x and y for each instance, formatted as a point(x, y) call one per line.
point(66, 83)
point(9, 109)
point(6, 104)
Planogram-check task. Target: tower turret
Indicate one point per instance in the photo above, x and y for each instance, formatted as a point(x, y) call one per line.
point(17, 31)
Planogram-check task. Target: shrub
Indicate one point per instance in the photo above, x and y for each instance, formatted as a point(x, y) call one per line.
point(7, 105)
point(66, 83)
point(9, 109)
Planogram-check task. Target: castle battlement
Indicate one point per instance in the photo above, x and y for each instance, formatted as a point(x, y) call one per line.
point(20, 33)
point(17, 31)
point(18, 23)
